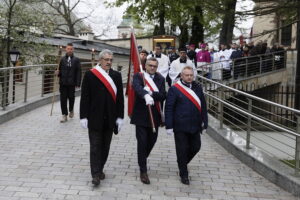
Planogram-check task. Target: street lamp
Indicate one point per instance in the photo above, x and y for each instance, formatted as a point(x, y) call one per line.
point(14, 55)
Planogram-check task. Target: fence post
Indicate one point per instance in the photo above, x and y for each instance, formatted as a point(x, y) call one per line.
point(4, 90)
point(297, 149)
point(249, 120)
point(43, 80)
point(221, 106)
point(26, 85)
point(204, 85)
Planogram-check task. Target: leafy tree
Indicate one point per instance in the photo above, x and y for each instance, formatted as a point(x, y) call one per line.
point(185, 15)
point(19, 27)
point(61, 13)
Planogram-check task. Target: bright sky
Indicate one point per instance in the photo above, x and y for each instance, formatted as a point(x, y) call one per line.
point(103, 18)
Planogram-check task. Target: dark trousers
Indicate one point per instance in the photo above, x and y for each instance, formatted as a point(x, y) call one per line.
point(99, 149)
point(145, 142)
point(187, 146)
point(67, 92)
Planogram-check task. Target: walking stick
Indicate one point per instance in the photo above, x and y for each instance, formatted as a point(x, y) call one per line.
point(55, 77)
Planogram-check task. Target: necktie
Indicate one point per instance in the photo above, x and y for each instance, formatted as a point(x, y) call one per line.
point(69, 61)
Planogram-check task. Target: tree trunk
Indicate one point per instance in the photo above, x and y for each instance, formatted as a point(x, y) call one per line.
point(184, 35)
point(156, 30)
point(226, 33)
point(197, 26)
point(161, 16)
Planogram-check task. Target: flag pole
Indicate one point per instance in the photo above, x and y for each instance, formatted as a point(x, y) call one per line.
point(142, 71)
point(55, 78)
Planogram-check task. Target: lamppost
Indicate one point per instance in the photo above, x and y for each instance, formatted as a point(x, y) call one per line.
point(14, 55)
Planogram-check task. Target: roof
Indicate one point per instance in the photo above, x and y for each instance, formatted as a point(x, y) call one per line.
point(82, 44)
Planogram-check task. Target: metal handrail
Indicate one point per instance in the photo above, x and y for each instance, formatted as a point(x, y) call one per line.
point(39, 65)
point(252, 121)
point(17, 86)
point(252, 96)
point(254, 116)
point(260, 55)
point(243, 58)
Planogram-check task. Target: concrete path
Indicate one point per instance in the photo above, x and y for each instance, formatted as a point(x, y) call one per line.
point(41, 158)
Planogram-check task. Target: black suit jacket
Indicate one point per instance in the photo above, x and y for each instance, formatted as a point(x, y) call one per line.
point(69, 76)
point(140, 115)
point(97, 103)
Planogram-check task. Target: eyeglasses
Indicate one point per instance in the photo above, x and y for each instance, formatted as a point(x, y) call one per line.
point(154, 66)
point(107, 59)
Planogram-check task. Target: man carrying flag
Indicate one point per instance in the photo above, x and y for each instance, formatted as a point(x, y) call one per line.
point(101, 110)
point(149, 88)
point(186, 116)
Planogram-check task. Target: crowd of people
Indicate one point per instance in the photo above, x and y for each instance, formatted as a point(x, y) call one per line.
point(228, 60)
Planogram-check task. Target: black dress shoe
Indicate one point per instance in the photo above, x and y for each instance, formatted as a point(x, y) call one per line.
point(144, 178)
point(102, 176)
point(96, 180)
point(185, 180)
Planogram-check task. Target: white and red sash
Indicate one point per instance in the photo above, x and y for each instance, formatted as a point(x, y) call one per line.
point(190, 94)
point(150, 83)
point(106, 80)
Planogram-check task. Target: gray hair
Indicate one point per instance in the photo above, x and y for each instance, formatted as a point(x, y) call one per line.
point(105, 52)
point(187, 67)
point(151, 59)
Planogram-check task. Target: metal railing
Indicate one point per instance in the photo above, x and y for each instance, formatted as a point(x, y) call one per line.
point(18, 84)
point(245, 67)
point(254, 119)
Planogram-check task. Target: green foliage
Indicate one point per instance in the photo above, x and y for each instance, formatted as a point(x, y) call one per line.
point(177, 12)
point(21, 27)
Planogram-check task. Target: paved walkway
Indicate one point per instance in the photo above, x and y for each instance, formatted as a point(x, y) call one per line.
point(43, 159)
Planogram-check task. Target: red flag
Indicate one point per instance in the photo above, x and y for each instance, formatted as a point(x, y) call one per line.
point(134, 67)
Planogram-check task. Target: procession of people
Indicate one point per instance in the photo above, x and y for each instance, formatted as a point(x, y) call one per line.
point(182, 109)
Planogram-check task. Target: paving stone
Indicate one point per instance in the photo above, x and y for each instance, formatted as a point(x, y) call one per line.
point(44, 159)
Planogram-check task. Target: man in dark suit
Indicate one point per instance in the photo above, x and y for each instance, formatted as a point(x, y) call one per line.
point(186, 115)
point(69, 73)
point(101, 110)
point(153, 94)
